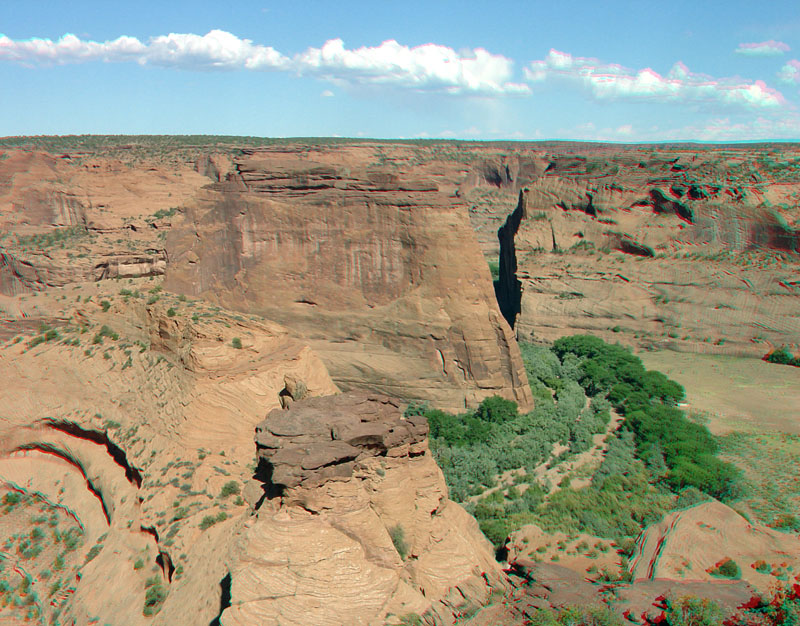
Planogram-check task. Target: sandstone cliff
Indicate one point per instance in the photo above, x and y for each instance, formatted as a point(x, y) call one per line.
point(378, 271)
point(132, 420)
point(656, 258)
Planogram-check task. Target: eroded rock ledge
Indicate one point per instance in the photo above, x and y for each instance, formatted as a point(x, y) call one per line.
point(360, 529)
point(323, 438)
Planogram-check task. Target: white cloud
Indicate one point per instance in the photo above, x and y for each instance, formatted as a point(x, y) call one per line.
point(612, 81)
point(724, 129)
point(69, 49)
point(214, 50)
point(327, 94)
point(790, 73)
point(429, 67)
point(769, 48)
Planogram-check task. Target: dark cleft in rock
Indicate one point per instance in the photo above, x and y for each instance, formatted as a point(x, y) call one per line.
point(319, 439)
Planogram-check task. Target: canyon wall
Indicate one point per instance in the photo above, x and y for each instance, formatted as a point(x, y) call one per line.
point(379, 271)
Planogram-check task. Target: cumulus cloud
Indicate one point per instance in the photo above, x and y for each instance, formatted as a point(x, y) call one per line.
point(214, 50)
point(769, 48)
point(69, 49)
point(611, 81)
point(429, 67)
point(790, 73)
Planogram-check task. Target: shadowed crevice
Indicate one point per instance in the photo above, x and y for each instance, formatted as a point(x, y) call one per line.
point(508, 288)
point(224, 600)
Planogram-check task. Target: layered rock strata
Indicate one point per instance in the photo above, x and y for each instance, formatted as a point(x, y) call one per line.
point(379, 271)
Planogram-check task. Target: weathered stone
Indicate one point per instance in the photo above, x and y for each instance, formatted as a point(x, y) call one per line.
point(380, 272)
point(317, 434)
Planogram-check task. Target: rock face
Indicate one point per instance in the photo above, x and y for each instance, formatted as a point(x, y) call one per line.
point(658, 254)
point(689, 544)
point(324, 438)
point(379, 271)
point(149, 412)
point(362, 531)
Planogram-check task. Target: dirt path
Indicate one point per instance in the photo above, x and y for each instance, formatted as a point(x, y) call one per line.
point(554, 476)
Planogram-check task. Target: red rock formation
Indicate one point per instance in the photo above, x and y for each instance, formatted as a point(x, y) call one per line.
point(379, 272)
point(361, 529)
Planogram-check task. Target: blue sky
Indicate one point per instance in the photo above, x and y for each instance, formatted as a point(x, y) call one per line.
point(616, 71)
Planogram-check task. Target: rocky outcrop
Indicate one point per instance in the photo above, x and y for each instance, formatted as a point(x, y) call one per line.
point(320, 439)
point(23, 272)
point(688, 545)
point(356, 527)
point(379, 271)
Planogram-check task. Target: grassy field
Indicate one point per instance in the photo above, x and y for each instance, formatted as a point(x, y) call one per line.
point(736, 394)
point(754, 407)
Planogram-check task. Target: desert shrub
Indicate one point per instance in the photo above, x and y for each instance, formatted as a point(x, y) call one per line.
point(786, 521)
point(94, 551)
point(104, 331)
point(780, 356)
point(689, 497)
point(576, 616)
point(171, 312)
point(398, 537)
point(139, 564)
point(236, 342)
point(692, 611)
point(154, 596)
point(726, 569)
point(231, 488)
point(106, 305)
point(781, 608)
point(209, 520)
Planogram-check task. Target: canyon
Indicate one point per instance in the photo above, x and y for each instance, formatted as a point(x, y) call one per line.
point(210, 346)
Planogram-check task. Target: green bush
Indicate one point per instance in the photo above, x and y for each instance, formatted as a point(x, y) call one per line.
point(93, 552)
point(576, 616)
point(154, 596)
point(726, 569)
point(236, 343)
point(171, 312)
point(104, 331)
point(780, 355)
point(496, 410)
point(106, 305)
point(787, 521)
point(647, 400)
point(231, 488)
point(209, 520)
point(692, 611)
point(398, 537)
